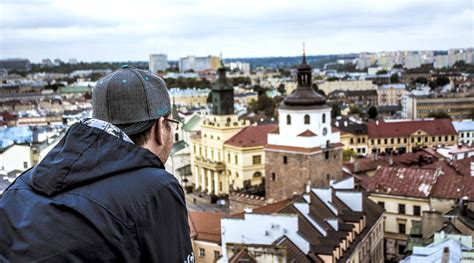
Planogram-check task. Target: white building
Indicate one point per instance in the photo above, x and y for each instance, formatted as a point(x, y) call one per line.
point(158, 62)
point(441, 61)
point(241, 66)
point(465, 131)
point(407, 102)
point(445, 248)
point(16, 157)
point(198, 63)
point(412, 60)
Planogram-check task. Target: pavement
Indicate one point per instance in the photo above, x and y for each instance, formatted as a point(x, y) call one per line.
point(196, 203)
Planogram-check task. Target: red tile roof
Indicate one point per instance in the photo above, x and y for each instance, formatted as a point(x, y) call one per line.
point(463, 166)
point(206, 226)
point(307, 133)
point(406, 128)
point(401, 181)
point(454, 186)
point(251, 136)
point(267, 209)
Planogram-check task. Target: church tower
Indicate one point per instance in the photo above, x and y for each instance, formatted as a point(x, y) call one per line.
point(208, 158)
point(304, 151)
point(222, 94)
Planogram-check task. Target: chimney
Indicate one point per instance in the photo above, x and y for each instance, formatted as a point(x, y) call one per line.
point(464, 205)
point(35, 132)
point(356, 166)
point(445, 257)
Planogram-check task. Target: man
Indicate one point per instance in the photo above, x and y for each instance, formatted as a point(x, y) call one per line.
point(102, 194)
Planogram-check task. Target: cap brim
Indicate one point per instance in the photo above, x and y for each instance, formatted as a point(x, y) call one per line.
point(136, 127)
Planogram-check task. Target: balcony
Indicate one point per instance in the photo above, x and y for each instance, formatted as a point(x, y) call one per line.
point(209, 164)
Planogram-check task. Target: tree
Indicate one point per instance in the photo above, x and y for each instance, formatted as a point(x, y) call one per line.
point(354, 110)
point(347, 154)
point(264, 104)
point(335, 110)
point(421, 80)
point(381, 72)
point(441, 81)
point(281, 89)
point(439, 115)
point(394, 78)
point(372, 112)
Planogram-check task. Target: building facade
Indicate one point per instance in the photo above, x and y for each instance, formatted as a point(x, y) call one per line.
point(158, 62)
point(405, 136)
point(391, 94)
point(193, 63)
point(458, 106)
point(465, 131)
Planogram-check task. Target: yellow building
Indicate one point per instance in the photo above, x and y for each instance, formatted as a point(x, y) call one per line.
point(205, 231)
point(245, 157)
point(404, 136)
point(208, 159)
point(404, 193)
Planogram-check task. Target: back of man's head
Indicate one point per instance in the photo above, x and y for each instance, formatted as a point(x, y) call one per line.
point(131, 99)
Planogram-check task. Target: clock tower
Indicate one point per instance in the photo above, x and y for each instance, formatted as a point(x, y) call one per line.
point(304, 151)
point(222, 94)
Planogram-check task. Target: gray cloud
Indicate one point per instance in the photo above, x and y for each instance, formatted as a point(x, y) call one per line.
point(97, 30)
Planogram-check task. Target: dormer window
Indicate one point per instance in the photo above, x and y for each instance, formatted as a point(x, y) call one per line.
point(307, 119)
point(288, 119)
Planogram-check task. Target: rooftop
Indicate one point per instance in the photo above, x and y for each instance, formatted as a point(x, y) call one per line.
point(411, 182)
point(252, 136)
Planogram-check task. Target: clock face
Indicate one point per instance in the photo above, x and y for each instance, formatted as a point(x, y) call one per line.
point(325, 131)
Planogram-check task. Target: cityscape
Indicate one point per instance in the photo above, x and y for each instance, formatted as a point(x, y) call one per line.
point(315, 157)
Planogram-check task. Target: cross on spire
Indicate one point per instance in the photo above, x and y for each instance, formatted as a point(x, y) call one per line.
point(304, 54)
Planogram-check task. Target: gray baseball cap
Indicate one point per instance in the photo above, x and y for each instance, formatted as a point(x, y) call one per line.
point(131, 99)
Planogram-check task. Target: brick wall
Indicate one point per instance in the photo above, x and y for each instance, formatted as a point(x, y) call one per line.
point(285, 180)
point(238, 202)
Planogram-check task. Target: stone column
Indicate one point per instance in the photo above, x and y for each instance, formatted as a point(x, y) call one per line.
point(217, 176)
point(203, 179)
point(196, 177)
point(210, 185)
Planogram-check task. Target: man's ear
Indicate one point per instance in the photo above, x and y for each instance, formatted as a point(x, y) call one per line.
point(158, 131)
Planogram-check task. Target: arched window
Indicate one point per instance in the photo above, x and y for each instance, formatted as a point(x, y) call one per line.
point(307, 119)
point(257, 174)
point(324, 117)
point(288, 119)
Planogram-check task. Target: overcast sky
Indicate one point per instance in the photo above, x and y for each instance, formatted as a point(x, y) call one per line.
point(119, 30)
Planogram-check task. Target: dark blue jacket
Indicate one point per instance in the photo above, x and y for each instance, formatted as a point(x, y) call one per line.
point(95, 198)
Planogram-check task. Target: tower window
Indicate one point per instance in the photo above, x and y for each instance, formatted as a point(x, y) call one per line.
point(326, 155)
point(324, 117)
point(288, 119)
point(273, 176)
point(307, 119)
point(285, 159)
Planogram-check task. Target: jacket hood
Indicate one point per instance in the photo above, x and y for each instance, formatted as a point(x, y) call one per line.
point(84, 155)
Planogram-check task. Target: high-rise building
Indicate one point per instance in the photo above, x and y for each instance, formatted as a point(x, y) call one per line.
point(158, 62)
point(199, 63)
